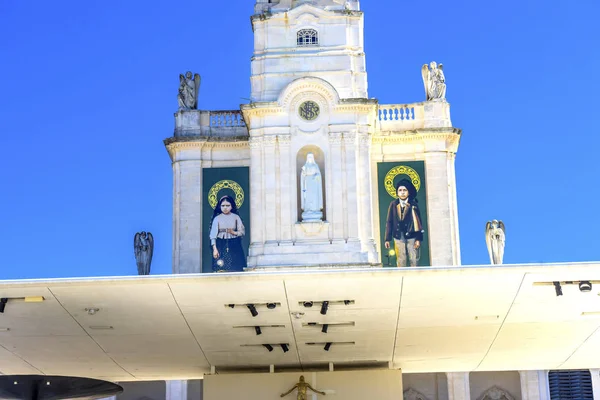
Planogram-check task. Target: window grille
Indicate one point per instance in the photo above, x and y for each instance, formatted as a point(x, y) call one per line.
point(570, 385)
point(307, 37)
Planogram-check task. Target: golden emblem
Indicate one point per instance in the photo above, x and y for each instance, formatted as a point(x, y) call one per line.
point(388, 181)
point(213, 193)
point(309, 110)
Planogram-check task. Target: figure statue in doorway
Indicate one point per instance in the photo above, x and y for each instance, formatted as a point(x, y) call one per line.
point(303, 388)
point(434, 80)
point(143, 246)
point(495, 237)
point(311, 187)
point(188, 91)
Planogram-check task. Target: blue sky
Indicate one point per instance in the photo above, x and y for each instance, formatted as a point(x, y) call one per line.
point(88, 91)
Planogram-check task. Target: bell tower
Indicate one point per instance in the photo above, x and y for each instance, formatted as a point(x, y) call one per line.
point(300, 38)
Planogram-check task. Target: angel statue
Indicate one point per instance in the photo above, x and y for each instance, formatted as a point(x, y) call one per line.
point(143, 245)
point(303, 388)
point(188, 91)
point(434, 80)
point(495, 238)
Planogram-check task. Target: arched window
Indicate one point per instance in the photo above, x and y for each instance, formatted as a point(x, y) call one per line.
point(307, 37)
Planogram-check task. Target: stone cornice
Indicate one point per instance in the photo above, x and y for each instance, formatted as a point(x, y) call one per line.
point(344, 105)
point(281, 15)
point(449, 135)
point(175, 144)
point(199, 140)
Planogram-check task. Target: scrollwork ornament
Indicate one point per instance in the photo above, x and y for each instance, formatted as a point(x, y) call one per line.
point(349, 138)
point(496, 393)
point(213, 193)
point(255, 142)
point(284, 140)
point(388, 181)
point(364, 140)
point(412, 394)
point(269, 140)
point(335, 139)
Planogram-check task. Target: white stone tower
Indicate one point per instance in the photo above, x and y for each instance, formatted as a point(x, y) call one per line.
point(310, 52)
point(309, 95)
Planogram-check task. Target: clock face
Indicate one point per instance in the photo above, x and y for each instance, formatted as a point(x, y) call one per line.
point(309, 110)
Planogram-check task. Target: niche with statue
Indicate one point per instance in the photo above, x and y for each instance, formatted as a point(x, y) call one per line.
point(311, 200)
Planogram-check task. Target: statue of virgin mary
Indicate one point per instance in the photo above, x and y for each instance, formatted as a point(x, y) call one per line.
point(311, 191)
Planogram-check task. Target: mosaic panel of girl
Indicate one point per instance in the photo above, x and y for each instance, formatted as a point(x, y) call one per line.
point(226, 232)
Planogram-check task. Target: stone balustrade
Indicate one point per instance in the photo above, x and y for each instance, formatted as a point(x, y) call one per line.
point(406, 117)
point(225, 124)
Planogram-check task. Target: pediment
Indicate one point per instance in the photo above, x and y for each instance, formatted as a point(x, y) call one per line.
point(309, 9)
point(412, 394)
point(496, 393)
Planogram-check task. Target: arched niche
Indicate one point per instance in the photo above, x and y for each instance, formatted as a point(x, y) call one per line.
point(300, 161)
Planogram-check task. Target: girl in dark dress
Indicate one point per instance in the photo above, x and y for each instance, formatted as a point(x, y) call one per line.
point(226, 232)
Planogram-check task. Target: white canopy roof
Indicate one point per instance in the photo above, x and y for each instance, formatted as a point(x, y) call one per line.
point(478, 318)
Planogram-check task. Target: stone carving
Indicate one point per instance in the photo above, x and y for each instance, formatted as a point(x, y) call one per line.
point(434, 81)
point(311, 191)
point(303, 388)
point(496, 393)
point(189, 86)
point(143, 245)
point(495, 238)
point(412, 394)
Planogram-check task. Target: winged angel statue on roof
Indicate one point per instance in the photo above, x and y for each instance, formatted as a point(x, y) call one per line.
point(143, 245)
point(434, 80)
point(495, 237)
point(188, 91)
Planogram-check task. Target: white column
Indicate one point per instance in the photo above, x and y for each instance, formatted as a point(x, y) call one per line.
point(187, 210)
point(350, 189)
point(534, 385)
point(176, 390)
point(440, 200)
point(595, 383)
point(256, 203)
point(269, 198)
point(458, 386)
point(336, 217)
point(286, 180)
point(364, 196)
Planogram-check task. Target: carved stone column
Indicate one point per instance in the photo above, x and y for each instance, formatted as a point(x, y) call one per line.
point(458, 386)
point(441, 207)
point(364, 196)
point(269, 192)
point(176, 390)
point(534, 385)
point(338, 169)
point(287, 184)
point(350, 188)
point(187, 206)
point(595, 382)
point(256, 204)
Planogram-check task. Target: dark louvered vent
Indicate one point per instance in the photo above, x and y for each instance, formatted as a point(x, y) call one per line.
point(570, 385)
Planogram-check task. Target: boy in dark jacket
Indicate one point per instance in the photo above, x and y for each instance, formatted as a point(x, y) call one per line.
point(403, 225)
